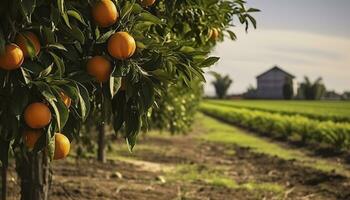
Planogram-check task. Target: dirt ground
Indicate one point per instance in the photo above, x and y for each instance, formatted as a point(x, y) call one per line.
point(166, 167)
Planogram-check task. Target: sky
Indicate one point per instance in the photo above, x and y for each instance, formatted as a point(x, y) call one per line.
point(309, 38)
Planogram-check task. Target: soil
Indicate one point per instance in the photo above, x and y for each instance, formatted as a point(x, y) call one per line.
point(143, 174)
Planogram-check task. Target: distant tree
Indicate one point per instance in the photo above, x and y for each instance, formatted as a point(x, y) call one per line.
point(312, 91)
point(346, 95)
point(288, 91)
point(221, 84)
point(251, 93)
point(332, 95)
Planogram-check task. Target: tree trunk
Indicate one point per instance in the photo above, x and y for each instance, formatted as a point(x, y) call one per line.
point(101, 157)
point(35, 174)
point(3, 182)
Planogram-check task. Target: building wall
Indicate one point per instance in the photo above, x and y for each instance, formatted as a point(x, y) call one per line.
point(270, 85)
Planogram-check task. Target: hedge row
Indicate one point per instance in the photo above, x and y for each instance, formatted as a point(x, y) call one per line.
point(314, 116)
point(308, 131)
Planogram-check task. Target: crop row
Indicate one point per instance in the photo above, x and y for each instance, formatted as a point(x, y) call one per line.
point(324, 116)
point(296, 127)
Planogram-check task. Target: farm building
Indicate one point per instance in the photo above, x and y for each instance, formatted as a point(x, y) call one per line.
point(270, 83)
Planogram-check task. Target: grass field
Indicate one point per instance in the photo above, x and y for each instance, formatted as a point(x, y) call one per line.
point(322, 110)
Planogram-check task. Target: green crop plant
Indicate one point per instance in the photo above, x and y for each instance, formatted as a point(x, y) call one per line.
point(308, 131)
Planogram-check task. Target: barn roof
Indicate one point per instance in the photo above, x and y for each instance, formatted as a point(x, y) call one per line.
point(274, 69)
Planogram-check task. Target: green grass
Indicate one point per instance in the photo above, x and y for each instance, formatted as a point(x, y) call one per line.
point(224, 133)
point(195, 172)
point(216, 176)
point(324, 110)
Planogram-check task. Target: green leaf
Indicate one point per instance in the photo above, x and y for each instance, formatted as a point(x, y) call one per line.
point(118, 107)
point(114, 85)
point(232, 35)
point(74, 32)
point(136, 9)
point(147, 93)
point(105, 37)
point(84, 101)
point(62, 10)
point(46, 71)
point(127, 9)
point(58, 63)
point(253, 10)
point(140, 45)
point(49, 35)
point(145, 16)
point(160, 75)
point(56, 46)
point(97, 32)
point(187, 49)
point(75, 14)
point(132, 121)
point(51, 98)
point(71, 89)
point(77, 34)
point(29, 46)
point(142, 26)
point(209, 62)
point(131, 142)
point(26, 75)
point(252, 20)
point(153, 63)
point(62, 108)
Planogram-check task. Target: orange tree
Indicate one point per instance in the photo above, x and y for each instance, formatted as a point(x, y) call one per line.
point(202, 23)
point(59, 59)
point(193, 27)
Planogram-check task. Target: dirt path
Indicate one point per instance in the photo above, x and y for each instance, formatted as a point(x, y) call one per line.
point(186, 167)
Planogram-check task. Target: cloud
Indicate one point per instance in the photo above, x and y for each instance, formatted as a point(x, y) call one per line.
point(300, 53)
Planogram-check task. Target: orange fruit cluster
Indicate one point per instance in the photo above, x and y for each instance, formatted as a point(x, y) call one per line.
point(37, 116)
point(121, 45)
point(14, 54)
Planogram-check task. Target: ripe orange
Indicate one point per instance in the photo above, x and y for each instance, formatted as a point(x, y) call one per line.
point(21, 41)
point(37, 115)
point(214, 33)
point(105, 13)
point(62, 146)
point(12, 58)
point(100, 68)
point(147, 3)
point(66, 99)
point(121, 45)
point(31, 136)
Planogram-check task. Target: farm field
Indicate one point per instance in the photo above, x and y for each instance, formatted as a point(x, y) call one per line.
point(293, 128)
point(323, 110)
point(215, 161)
